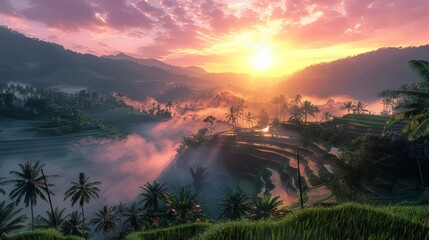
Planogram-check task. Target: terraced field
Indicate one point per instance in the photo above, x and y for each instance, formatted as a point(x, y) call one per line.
point(361, 123)
point(258, 163)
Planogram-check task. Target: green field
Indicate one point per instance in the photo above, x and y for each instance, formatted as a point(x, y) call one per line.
point(349, 221)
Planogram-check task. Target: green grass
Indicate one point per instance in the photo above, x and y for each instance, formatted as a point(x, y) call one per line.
point(49, 234)
point(178, 232)
point(348, 221)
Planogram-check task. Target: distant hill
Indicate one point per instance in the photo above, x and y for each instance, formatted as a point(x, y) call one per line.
point(43, 64)
point(362, 76)
point(191, 71)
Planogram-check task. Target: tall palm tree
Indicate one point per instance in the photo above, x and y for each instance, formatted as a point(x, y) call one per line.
point(297, 100)
point(250, 119)
point(241, 106)
point(231, 115)
point(82, 192)
point(199, 176)
point(185, 207)
point(10, 219)
point(153, 194)
point(73, 225)
point(266, 208)
point(55, 220)
point(326, 116)
point(360, 108)
point(275, 100)
point(120, 211)
point(29, 185)
point(2, 182)
point(416, 104)
point(134, 216)
point(316, 111)
point(236, 205)
point(105, 219)
point(347, 105)
point(308, 109)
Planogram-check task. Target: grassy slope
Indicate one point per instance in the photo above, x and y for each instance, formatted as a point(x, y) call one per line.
point(49, 234)
point(349, 221)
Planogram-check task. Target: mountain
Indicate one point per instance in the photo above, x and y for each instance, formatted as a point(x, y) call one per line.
point(44, 64)
point(361, 77)
point(191, 71)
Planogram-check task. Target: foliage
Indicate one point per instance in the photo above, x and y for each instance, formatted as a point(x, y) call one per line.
point(134, 217)
point(49, 234)
point(266, 208)
point(237, 205)
point(185, 231)
point(184, 207)
point(105, 220)
point(153, 194)
point(52, 220)
point(192, 140)
point(10, 219)
point(199, 176)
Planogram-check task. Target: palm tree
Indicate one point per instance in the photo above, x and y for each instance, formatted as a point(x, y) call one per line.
point(120, 211)
point(10, 219)
point(416, 104)
point(316, 111)
point(55, 220)
point(307, 109)
point(326, 116)
point(82, 191)
point(199, 176)
point(73, 225)
point(30, 185)
point(185, 207)
point(153, 194)
point(241, 106)
point(236, 205)
point(105, 220)
point(250, 119)
point(266, 208)
point(284, 108)
point(297, 100)
point(2, 191)
point(347, 105)
point(275, 100)
point(360, 107)
point(134, 216)
point(296, 114)
point(231, 115)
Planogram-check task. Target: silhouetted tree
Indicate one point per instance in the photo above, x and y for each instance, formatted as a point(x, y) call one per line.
point(10, 220)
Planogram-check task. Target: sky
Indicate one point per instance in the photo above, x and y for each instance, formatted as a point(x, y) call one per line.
point(256, 36)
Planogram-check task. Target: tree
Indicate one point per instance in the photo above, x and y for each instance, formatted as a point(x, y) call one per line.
point(10, 219)
point(120, 211)
point(295, 114)
point(153, 194)
point(184, 207)
point(2, 182)
point(360, 108)
point(231, 115)
point(326, 116)
point(241, 106)
point(250, 119)
point(316, 111)
point(263, 118)
point(134, 217)
point(284, 108)
point(52, 220)
point(236, 205)
point(347, 105)
point(105, 219)
point(30, 185)
point(82, 191)
point(199, 177)
point(73, 225)
point(266, 208)
point(210, 121)
point(308, 109)
point(416, 106)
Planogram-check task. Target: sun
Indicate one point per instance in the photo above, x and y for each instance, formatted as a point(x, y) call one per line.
point(261, 60)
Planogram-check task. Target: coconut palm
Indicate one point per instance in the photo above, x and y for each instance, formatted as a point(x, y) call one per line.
point(10, 219)
point(416, 106)
point(120, 211)
point(199, 177)
point(266, 208)
point(29, 185)
point(55, 220)
point(241, 106)
point(73, 225)
point(134, 217)
point(250, 119)
point(236, 205)
point(347, 105)
point(296, 114)
point(231, 115)
point(308, 109)
point(326, 116)
point(2, 182)
point(184, 207)
point(105, 219)
point(153, 194)
point(82, 192)
point(297, 100)
point(360, 108)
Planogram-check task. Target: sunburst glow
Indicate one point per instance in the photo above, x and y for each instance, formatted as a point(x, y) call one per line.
point(262, 60)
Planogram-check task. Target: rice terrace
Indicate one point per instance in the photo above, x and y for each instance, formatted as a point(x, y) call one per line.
point(214, 120)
